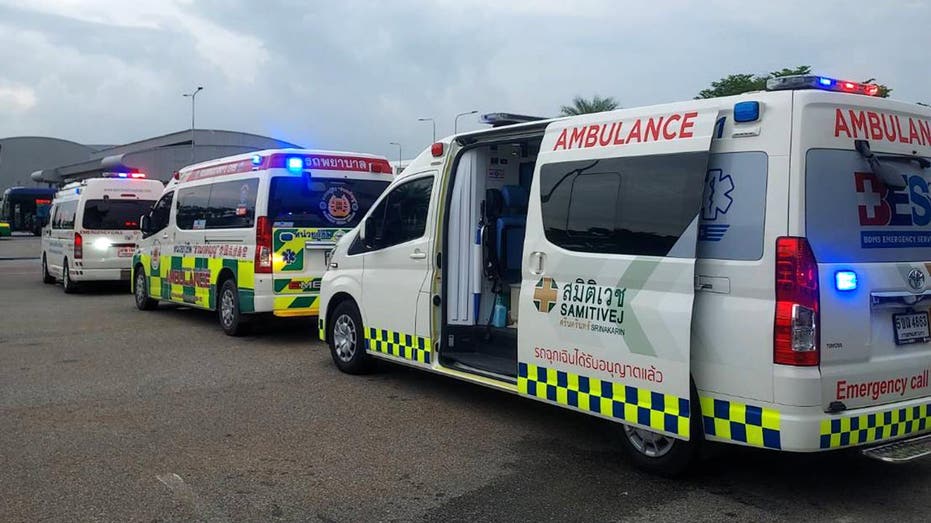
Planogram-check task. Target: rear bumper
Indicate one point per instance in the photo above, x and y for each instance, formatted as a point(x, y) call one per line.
point(80, 274)
point(810, 429)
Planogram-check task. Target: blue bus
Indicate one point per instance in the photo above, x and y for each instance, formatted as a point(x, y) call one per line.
point(26, 209)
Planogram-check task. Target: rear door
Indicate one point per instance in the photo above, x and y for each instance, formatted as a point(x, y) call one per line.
point(609, 258)
point(309, 213)
point(872, 241)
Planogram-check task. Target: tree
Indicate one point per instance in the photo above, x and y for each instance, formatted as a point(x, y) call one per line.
point(582, 106)
point(747, 82)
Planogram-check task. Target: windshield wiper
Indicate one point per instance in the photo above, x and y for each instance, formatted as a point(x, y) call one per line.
point(876, 163)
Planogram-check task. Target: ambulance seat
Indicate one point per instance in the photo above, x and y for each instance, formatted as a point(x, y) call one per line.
point(510, 227)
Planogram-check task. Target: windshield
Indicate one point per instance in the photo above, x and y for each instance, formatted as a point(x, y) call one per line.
point(297, 202)
point(114, 214)
point(852, 215)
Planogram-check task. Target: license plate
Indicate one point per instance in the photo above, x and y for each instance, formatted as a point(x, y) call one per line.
point(911, 328)
point(125, 252)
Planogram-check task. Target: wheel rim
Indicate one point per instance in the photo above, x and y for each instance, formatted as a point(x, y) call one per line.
point(344, 338)
point(226, 308)
point(140, 288)
point(648, 443)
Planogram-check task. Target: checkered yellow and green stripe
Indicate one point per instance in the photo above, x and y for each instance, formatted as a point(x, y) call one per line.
point(748, 424)
point(160, 285)
point(398, 344)
point(844, 431)
point(644, 407)
point(309, 304)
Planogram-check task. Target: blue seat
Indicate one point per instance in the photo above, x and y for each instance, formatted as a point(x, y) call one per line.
point(509, 229)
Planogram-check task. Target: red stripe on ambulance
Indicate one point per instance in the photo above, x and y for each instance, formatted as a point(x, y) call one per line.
point(642, 130)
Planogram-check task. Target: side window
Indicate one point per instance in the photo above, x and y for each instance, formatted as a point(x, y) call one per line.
point(160, 214)
point(634, 206)
point(192, 207)
point(53, 217)
point(402, 214)
point(64, 215)
point(232, 204)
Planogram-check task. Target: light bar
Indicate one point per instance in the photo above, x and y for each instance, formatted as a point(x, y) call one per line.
point(823, 83)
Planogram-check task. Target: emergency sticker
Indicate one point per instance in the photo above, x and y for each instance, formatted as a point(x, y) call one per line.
point(339, 205)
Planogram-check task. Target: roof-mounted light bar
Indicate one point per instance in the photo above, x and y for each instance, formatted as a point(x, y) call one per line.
point(790, 83)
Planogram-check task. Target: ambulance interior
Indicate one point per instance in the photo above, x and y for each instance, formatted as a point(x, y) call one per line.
point(484, 252)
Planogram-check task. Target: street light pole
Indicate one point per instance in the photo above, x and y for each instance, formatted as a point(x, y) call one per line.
point(399, 155)
point(456, 121)
point(192, 96)
point(431, 120)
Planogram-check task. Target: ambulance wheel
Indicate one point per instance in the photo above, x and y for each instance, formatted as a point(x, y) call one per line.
point(46, 277)
point(231, 319)
point(346, 340)
point(141, 292)
point(66, 282)
point(661, 454)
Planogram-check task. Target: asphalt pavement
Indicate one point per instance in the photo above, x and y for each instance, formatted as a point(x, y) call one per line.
point(112, 414)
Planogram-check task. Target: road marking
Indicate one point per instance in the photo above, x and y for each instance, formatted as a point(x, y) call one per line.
point(182, 492)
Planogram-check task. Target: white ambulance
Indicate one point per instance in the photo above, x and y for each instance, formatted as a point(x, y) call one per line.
point(94, 227)
point(252, 233)
point(751, 270)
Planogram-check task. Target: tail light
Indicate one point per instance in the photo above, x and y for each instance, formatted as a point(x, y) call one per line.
point(263, 245)
point(78, 246)
point(381, 166)
point(795, 338)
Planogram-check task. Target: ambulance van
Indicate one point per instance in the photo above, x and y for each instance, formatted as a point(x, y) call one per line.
point(93, 228)
point(750, 270)
point(252, 233)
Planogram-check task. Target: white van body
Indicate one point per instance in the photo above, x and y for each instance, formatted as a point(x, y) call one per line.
point(683, 272)
point(266, 221)
point(93, 228)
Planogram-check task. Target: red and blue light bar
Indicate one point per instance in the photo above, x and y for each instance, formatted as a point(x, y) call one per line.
point(823, 83)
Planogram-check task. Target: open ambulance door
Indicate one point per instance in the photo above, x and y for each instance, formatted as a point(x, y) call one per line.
point(609, 262)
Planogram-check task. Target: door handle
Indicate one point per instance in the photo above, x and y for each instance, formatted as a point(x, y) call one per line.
point(536, 262)
point(418, 255)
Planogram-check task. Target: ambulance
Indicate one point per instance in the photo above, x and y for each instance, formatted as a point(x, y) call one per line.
point(93, 228)
point(750, 270)
point(252, 233)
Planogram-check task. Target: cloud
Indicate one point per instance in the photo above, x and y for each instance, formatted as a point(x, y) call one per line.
point(16, 98)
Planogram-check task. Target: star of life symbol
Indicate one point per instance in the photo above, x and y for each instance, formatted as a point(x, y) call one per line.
point(870, 199)
point(289, 256)
point(718, 199)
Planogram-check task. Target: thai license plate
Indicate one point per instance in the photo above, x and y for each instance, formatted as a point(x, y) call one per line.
point(911, 328)
point(125, 252)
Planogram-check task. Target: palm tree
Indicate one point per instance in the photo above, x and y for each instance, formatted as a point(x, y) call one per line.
point(582, 106)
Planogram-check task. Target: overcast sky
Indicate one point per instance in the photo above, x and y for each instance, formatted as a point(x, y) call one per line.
point(355, 75)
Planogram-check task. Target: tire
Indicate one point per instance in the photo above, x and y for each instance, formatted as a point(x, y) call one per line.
point(228, 313)
point(66, 282)
point(47, 278)
point(660, 454)
point(141, 292)
point(345, 337)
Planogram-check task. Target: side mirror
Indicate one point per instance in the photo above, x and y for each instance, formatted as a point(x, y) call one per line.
point(145, 222)
point(367, 233)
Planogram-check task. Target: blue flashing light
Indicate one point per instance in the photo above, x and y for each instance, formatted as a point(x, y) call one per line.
point(295, 164)
point(845, 280)
point(827, 82)
point(122, 175)
point(746, 112)
point(256, 159)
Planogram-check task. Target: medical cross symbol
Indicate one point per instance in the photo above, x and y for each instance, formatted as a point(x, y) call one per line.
point(545, 293)
point(870, 199)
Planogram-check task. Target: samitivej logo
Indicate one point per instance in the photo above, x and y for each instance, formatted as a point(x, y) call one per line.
point(545, 294)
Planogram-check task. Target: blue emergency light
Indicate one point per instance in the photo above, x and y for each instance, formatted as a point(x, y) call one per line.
point(295, 164)
point(807, 81)
point(845, 280)
point(746, 112)
point(256, 159)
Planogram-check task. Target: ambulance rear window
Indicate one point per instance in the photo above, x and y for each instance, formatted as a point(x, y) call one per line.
point(114, 214)
point(852, 216)
point(302, 202)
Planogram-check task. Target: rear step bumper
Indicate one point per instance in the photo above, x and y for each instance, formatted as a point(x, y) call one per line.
point(901, 451)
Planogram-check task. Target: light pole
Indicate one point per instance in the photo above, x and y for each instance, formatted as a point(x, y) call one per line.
point(192, 95)
point(456, 121)
point(399, 155)
point(431, 120)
